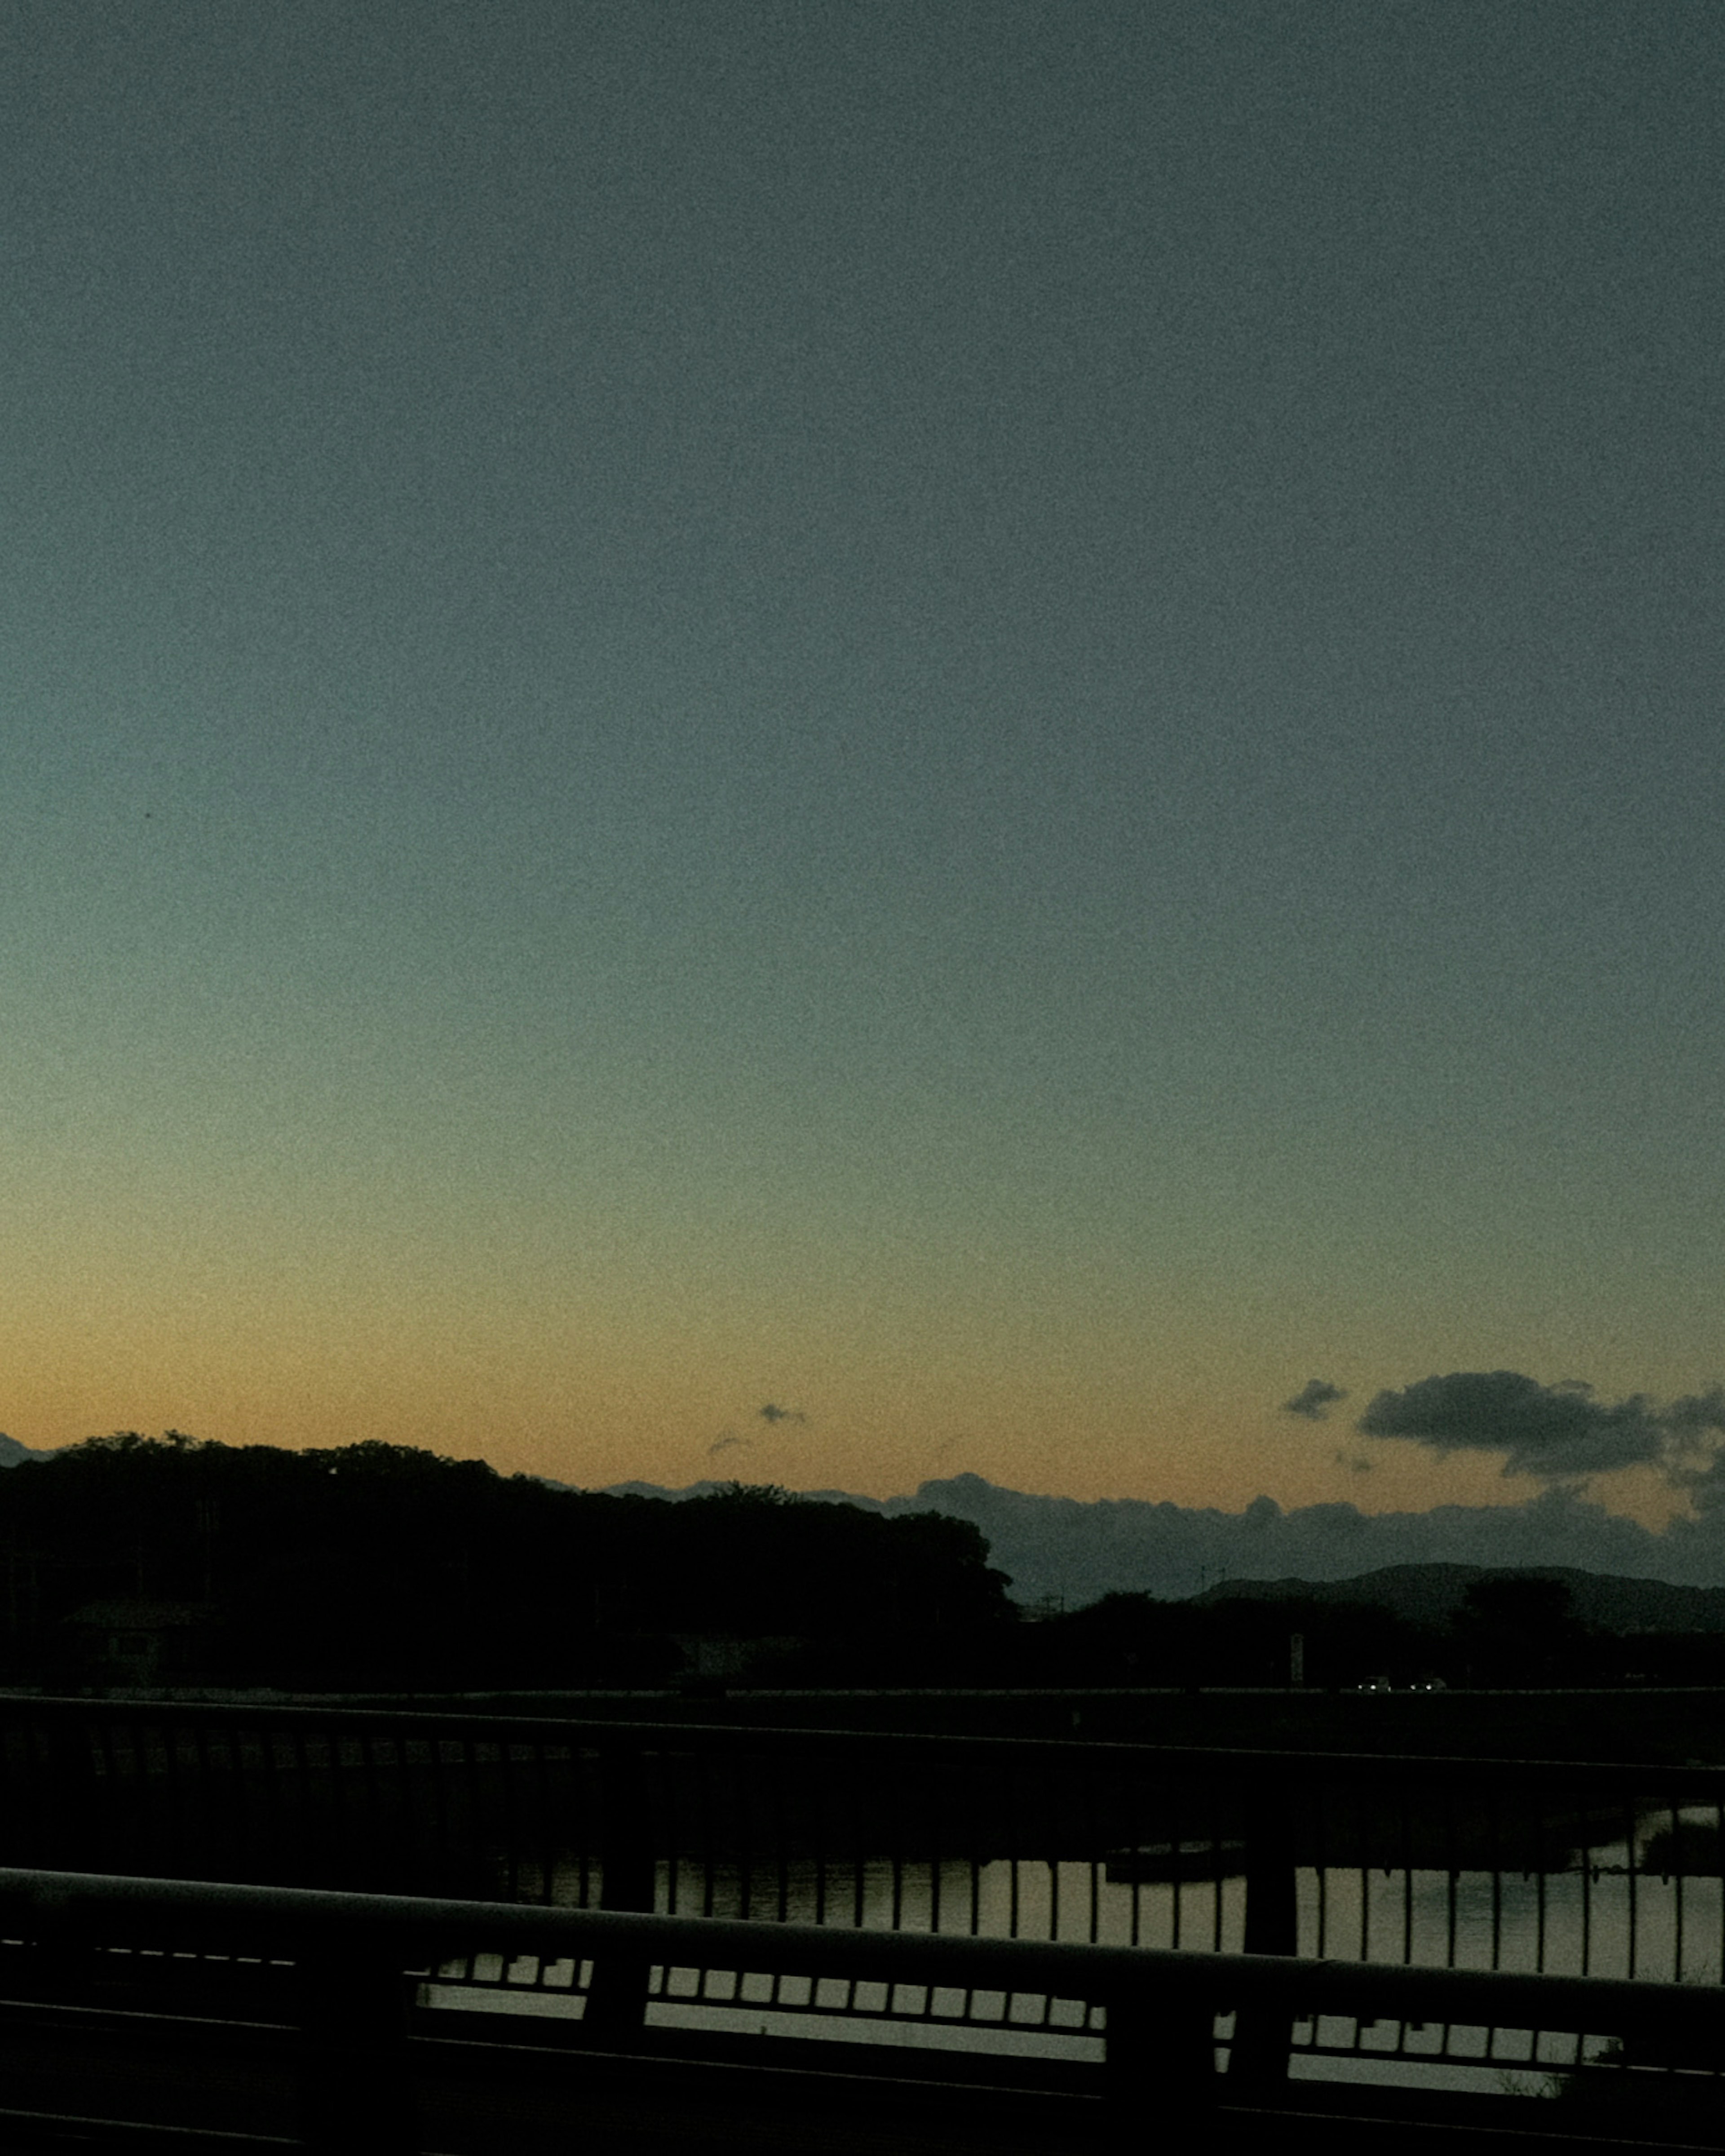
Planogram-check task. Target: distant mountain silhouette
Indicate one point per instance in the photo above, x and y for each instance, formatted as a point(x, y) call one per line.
point(694, 1489)
point(14, 1454)
point(1071, 1551)
point(1434, 1594)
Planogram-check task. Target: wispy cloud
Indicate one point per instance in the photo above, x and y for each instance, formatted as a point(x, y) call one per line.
point(729, 1442)
point(771, 1412)
point(1313, 1400)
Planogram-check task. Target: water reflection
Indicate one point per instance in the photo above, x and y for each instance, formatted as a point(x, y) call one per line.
point(1603, 1916)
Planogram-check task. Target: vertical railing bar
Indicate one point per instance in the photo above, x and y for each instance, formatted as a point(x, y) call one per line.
point(436, 1789)
point(1174, 1825)
point(973, 1844)
point(1453, 1877)
point(579, 1825)
point(710, 1861)
point(410, 1829)
point(896, 1817)
point(1012, 1840)
point(126, 1749)
point(505, 1751)
point(656, 1773)
point(1177, 1843)
point(1407, 1876)
point(547, 1839)
point(1134, 1807)
point(570, 1823)
point(746, 1835)
point(471, 1805)
point(1053, 1820)
point(49, 1754)
point(237, 1796)
point(817, 1815)
point(104, 1746)
point(1093, 1842)
point(570, 1814)
point(272, 1803)
point(1364, 1846)
point(331, 1741)
point(208, 1806)
point(467, 1752)
point(858, 1846)
point(781, 1820)
point(300, 1766)
point(208, 1803)
point(171, 1788)
point(1633, 1896)
point(467, 1821)
point(937, 1842)
point(365, 1796)
point(270, 1819)
point(369, 1739)
point(515, 1853)
point(1323, 1794)
point(1540, 1818)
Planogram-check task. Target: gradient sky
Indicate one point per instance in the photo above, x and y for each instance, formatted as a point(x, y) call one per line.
point(997, 723)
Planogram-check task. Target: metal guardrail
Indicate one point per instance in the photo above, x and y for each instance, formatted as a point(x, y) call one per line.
point(1552, 1868)
point(361, 1958)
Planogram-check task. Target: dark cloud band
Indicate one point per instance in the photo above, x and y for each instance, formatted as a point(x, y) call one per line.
point(1558, 1432)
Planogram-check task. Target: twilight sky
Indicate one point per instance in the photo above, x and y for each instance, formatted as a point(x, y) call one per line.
point(995, 726)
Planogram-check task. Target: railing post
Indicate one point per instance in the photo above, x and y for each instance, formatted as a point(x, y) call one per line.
point(616, 1998)
point(1159, 2061)
point(1261, 2034)
point(62, 1966)
point(356, 2099)
point(71, 1829)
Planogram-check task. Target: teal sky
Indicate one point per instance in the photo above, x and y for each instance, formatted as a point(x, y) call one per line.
point(1000, 723)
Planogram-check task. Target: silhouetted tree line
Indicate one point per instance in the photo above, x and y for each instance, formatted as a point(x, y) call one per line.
point(1510, 1632)
point(379, 1566)
point(136, 1560)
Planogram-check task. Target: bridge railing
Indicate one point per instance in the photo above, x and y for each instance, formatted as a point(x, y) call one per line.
point(1552, 1868)
point(359, 1962)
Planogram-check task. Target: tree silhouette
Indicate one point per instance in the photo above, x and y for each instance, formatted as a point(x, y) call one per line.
point(384, 1566)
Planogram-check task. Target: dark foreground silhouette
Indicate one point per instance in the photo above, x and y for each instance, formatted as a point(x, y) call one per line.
point(174, 1561)
point(129, 1562)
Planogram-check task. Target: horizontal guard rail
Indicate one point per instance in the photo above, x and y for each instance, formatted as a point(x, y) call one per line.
point(621, 1735)
point(172, 1913)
